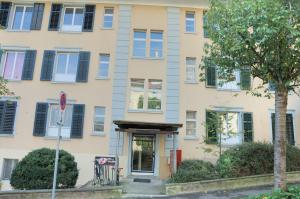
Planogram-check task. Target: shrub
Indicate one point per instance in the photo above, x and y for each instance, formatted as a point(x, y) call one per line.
point(293, 192)
point(254, 159)
point(35, 170)
point(194, 170)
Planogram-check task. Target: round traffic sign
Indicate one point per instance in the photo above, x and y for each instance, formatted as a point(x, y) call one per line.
point(63, 101)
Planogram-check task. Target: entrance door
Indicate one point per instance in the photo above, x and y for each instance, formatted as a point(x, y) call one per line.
point(143, 153)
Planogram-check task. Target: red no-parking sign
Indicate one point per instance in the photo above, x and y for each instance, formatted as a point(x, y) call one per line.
point(63, 101)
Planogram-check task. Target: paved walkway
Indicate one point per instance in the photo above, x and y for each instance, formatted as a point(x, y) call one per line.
point(236, 194)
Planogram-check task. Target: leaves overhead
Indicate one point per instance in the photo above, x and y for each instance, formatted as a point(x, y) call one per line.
point(263, 35)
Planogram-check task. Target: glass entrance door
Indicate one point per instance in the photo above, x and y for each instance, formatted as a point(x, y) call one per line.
point(143, 153)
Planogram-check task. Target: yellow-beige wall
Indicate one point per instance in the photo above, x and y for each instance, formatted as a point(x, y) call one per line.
point(195, 97)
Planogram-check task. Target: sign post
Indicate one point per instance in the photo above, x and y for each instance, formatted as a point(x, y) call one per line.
point(62, 103)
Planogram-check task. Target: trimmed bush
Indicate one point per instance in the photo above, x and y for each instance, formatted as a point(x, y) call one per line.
point(194, 170)
point(254, 159)
point(35, 170)
point(293, 192)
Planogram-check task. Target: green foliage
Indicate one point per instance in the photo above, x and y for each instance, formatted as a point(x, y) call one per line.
point(194, 170)
point(254, 159)
point(292, 193)
point(35, 170)
point(254, 35)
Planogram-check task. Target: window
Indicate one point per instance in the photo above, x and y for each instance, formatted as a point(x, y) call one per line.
point(156, 44)
point(154, 94)
point(145, 98)
point(191, 69)
point(103, 66)
point(99, 120)
point(13, 65)
point(54, 117)
point(137, 94)
point(230, 85)
point(66, 67)
point(73, 19)
point(108, 18)
point(224, 126)
point(290, 137)
point(190, 22)
point(8, 167)
point(22, 17)
point(139, 43)
point(191, 123)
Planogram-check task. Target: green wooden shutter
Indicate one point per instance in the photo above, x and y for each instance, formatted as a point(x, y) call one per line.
point(273, 126)
point(40, 121)
point(77, 121)
point(4, 13)
point(248, 127)
point(211, 76)
point(290, 129)
point(28, 67)
point(245, 79)
point(55, 17)
point(83, 66)
point(9, 117)
point(205, 31)
point(37, 16)
point(211, 127)
point(88, 18)
point(47, 66)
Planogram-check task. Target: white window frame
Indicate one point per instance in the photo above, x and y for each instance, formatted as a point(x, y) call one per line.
point(108, 14)
point(148, 91)
point(193, 67)
point(72, 27)
point(191, 120)
point(99, 116)
point(64, 77)
point(14, 163)
point(190, 19)
point(137, 89)
point(65, 131)
point(139, 39)
point(12, 16)
point(157, 41)
point(231, 86)
point(14, 67)
point(99, 76)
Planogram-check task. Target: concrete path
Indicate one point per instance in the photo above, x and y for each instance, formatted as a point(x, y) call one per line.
point(236, 194)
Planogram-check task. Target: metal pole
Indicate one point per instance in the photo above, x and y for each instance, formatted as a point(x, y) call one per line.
point(56, 157)
point(117, 160)
point(174, 155)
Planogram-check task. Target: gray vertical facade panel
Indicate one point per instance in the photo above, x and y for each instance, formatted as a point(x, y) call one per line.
point(120, 77)
point(173, 73)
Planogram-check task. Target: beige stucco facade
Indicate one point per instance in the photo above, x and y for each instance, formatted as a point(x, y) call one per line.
point(99, 92)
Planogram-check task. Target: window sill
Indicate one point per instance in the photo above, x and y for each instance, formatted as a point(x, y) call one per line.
point(103, 28)
point(190, 137)
point(7, 135)
point(13, 80)
point(146, 111)
point(102, 78)
point(58, 82)
point(100, 134)
point(191, 82)
point(55, 138)
point(12, 30)
point(190, 33)
point(229, 90)
point(69, 32)
point(148, 58)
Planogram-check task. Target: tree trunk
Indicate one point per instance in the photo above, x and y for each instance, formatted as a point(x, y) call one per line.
point(281, 97)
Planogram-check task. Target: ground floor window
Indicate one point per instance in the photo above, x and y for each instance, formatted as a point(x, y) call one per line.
point(289, 128)
point(8, 166)
point(54, 117)
point(191, 123)
point(229, 128)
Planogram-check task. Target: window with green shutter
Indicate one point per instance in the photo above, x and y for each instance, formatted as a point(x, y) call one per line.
point(7, 117)
point(248, 127)
point(210, 74)
point(211, 127)
point(289, 128)
point(245, 75)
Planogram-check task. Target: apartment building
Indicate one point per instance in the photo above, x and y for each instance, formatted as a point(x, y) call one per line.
point(129, 61)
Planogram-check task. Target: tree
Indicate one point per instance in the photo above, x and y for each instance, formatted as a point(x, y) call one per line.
point(35, 170)
point(262, 38)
